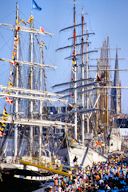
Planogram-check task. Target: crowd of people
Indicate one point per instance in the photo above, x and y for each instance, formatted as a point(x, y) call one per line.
point(103, 176)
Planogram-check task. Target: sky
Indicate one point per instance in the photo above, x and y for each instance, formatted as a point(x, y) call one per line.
point(104, 17)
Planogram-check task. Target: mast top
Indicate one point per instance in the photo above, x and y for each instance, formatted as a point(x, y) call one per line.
point(17, 5)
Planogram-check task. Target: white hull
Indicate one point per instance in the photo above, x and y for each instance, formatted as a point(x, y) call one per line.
point(85, 156)
point(115, 141)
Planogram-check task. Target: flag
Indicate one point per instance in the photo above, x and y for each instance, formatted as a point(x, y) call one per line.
point(41, 29)
point(1, 134)
point(4, 117)
point(10, 84)
point(99, 143)
point(73, 61)
point(74, 57)
point(31, 19)
point(17, 28)
point(22, 21)
point(5, 112)
point(3, 125)
point(1, 129)
point(9, 100)
point(13, 62)
point(35, 6)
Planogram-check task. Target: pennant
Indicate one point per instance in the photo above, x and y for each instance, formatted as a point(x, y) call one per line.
point(5, 112)
point(73, 61)
point(22, 21)
point(1, 134)
point(99, 143)
point(9, 100)
point(17, 22)
point(13, 62)
point(17, 28)
point(74, 57)
point(1, 129)
point(14, 53)
point(31, 19)
point(42, 29)
point(10, 84)
point(4, 118)
point(35, 6)
point(2, 125)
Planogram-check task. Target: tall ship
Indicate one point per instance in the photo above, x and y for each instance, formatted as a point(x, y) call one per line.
point(92, 98)
point(43, 133)
point(27, 129)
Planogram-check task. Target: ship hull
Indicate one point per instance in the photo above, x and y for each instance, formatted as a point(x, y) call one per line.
point(11, 184)
point(84, 156)
point(22, 180)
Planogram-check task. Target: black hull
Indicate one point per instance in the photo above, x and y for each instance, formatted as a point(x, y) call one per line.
point(9, 183)
point(12, 184)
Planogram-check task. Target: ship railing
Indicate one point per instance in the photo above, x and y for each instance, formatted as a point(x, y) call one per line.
point(47, 167)
point(55, 163)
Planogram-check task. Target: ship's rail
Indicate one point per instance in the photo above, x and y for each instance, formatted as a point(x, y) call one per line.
point(49, 168)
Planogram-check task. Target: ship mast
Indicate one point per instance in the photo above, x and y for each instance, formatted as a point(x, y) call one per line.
point(87, 76)
point(42, 78)
point(77, 83)
point(31, 85)
point(83, 77)
point(16, 84)
point(75, 68)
